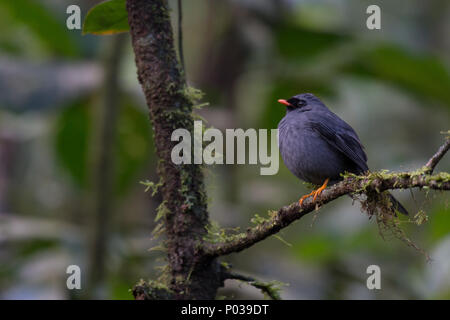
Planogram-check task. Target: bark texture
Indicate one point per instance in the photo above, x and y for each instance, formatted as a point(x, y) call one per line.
point(184, 198)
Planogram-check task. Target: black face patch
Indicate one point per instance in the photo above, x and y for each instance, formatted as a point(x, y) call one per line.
point(296, 103)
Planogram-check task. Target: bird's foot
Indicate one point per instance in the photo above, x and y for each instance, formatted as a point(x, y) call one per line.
point(300, 202)
point(319, 191)
point(314, 193)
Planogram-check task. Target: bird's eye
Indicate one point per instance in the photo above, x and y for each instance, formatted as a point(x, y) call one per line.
point(301, 103)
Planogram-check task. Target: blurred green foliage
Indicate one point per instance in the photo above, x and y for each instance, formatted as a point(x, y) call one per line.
point(73, 131)
point(73, 143)
point(422, 75)
point(440, 222)
point(51, 32)
point(134, 145)
point(300, 44)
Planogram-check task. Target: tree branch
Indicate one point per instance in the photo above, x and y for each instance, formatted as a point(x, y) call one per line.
point(431, 164)
point(372, 182)
point(267, 288)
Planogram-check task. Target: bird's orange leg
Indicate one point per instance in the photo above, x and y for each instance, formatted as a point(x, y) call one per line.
point(314, 193)
point(319, 191)
point(300, 202)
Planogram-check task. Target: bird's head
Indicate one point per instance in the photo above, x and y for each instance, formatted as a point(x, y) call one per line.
point(301, 102)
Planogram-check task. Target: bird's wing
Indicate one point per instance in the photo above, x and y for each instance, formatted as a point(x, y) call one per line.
point(342, 137)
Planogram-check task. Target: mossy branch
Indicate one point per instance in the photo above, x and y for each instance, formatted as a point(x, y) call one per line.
point(269, 289)
point(152, 290)
point(434, 160)
point(375, 182)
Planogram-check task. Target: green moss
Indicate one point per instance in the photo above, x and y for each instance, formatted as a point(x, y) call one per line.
point(420, 218)
point(439, 178)
point(180, 118)
point(270, 290)
point(200, 106)
point(158, 230)
point(369, 180)
point(179, 279)
point(186, 189)
point(160, 248)
point(152, 290)
point(276, 236)
point(225, 265)
point(171, 87)
point(378, 205)
point(192, 94)
point(164, 273)
point(161, 212)
point(309, 185)
point(257, 219)
point(151, 185)
point(215, 234)
point(261, 222)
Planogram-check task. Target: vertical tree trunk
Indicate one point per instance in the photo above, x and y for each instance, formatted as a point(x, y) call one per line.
point(184, 199)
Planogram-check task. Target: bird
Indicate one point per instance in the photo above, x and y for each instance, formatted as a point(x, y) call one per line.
point(317, 146)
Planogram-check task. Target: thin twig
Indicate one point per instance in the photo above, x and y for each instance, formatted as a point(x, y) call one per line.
point(265, 287)
point(431, 164)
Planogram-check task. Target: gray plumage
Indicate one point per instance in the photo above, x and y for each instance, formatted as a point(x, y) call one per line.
point(316, 144)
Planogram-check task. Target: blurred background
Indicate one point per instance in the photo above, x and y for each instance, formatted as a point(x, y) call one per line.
point(75, 142)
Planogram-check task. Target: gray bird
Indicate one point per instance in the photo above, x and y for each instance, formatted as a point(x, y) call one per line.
point(317, 146)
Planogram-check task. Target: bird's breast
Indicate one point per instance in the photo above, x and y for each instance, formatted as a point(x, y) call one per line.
point(307, 155)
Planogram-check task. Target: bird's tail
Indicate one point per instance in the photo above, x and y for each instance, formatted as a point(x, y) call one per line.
point(397, 205)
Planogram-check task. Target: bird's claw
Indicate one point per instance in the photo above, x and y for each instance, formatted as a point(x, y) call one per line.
point(314, 193)
point(300, 202)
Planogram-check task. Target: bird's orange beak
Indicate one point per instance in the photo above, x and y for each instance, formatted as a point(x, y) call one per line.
point(282, 101)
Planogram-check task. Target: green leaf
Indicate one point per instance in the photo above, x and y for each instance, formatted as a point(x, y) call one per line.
point(51, 32)
point(108, 17)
